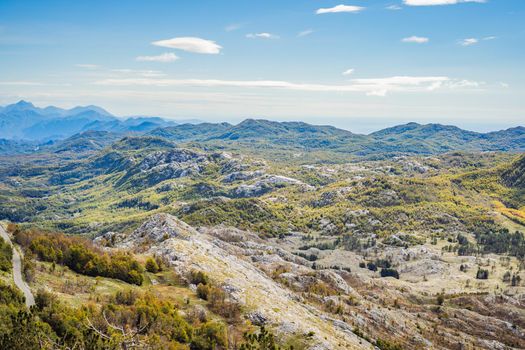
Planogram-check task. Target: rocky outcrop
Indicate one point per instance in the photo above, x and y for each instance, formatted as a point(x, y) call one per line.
point(159, 228)
point(266, 301)
point(266, 184)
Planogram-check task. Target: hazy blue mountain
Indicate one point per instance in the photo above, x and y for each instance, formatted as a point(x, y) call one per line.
point(129, 125)
point(63, 127)
point(10, 147)
point(23, 120)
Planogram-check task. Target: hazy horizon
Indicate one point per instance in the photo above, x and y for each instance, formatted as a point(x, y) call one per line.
point(353, 125)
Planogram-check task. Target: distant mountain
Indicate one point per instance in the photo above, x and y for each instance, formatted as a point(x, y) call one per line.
point(411, 138)
point(62, 127)
point(9, 147)
point(23, 120)
point(437, 138)
point(134, 125)
point(257, 128)
point(85, 142)
point(507, 140)
point(191, 132)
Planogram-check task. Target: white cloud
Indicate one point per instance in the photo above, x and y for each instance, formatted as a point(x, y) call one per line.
point(190, 44)
point(468, 42)
point(438, 2)
point(141, 73)
point(394, 7)
point(262, 36)
point(415, 39)
point(305, 32)
point(87, 66)
point(164, 58)
point(349, 71)
point(21, 83)
point(490, 38)
point(340, 8)
point(372, 87)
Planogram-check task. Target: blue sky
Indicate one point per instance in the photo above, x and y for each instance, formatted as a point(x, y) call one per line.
point(361, 64)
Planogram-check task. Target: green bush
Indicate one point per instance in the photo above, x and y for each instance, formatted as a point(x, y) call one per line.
point(151, 265)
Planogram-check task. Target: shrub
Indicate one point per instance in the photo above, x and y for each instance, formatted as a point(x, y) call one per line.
point(482, 274)
point(263, 340)
point(151, 265)
point(197, 277)
point(210, 336)
point(389, 273)
point(80, 255)
point(203, 291)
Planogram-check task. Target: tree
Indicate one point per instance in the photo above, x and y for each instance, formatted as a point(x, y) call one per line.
point(482, 274)
point(389, 273)
point(262, 340)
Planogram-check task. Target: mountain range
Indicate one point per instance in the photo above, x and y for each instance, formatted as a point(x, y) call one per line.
point(23, 126)
point(24, 121)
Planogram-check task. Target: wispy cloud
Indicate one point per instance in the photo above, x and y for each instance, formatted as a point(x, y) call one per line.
point(138, 72)
point(438, 2)
point(349, 72)
point(164, 58)
point(468, 42)
point(394, 7)
point(340, 8)
point(262, 36)
point(305, 32)
point(372, 87)
point(490, 38)
point(415, 39)
point(87, 66)
point(21, 83)
point(190, 44)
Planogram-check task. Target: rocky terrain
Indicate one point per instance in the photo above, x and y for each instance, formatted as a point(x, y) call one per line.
point(342, 307)
point(326, 249)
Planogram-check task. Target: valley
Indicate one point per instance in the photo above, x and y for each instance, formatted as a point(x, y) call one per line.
point(408, 238)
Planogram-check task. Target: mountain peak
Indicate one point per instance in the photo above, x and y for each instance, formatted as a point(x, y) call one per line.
point(23, 103)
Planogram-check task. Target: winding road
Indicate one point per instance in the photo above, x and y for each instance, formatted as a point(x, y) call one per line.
point(17, 271)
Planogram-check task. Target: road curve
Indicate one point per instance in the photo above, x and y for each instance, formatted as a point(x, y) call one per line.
point(17, 271)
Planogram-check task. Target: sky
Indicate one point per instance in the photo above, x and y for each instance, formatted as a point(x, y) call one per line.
point(361, 65)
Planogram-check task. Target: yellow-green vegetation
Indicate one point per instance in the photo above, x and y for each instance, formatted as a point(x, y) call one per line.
point(105, 313)
point(78, 254)
point(449, 224)
point(6, 255)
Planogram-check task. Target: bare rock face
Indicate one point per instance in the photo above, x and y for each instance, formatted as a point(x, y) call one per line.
point(242, 176)
point(228, 264)
point(170, 157)
point(266, 184)
point(158, 228)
